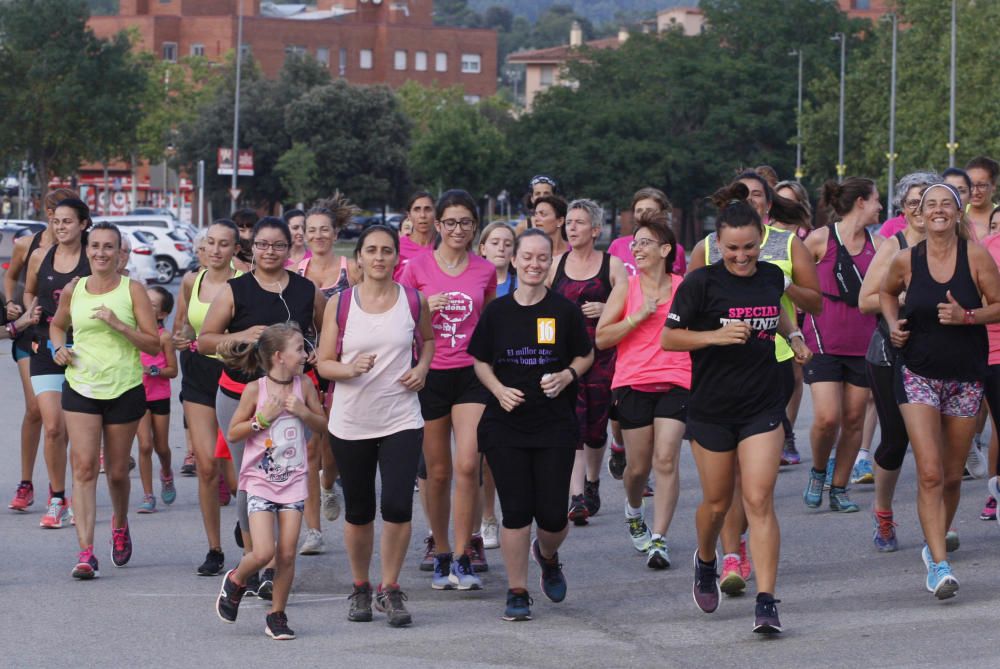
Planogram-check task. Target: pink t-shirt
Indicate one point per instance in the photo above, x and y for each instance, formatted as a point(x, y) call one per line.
point(620, 249)
point(892, 226)
point(408, 250)
point(992, 244)
point(641, 359)
point(274, 462)
point(157, 387)
point(467, 293)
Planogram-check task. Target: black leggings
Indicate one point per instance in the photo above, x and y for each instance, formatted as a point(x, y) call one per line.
point(991, 389)
point(395, 458)
point(532, 483)
point(892, 449)
point(787, 390)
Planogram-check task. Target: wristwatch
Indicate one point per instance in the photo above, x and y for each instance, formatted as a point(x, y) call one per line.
point(154, 370)
point(793, 335)
point(255, 426)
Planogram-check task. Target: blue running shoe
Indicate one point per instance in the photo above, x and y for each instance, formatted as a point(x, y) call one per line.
point(840, 502)
point(518, 606)
point(945, 583)
point(441, 580)
point(884, 536)
point(862, 472)
point(830, 465)
point(553, 581)
point(462, 576)
point(813, 496)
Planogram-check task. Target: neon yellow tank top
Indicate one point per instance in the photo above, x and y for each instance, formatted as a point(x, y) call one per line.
point(197, 309)
point(105, 364)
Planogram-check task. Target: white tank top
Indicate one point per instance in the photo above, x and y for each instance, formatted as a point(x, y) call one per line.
point(376, 404)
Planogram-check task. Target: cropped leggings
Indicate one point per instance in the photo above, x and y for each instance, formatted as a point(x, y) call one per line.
point(892, 448)
point(225, 407)
point(532, 484)
point(394, 457)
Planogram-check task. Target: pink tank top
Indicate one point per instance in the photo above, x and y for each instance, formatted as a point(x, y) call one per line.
point(274, 462)
point(642, 362)
point(157, 387)
point(992, 244)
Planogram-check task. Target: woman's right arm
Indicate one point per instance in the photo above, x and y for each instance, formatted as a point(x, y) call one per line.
point(220, 315)
point(181, 342)
point(509, 398)
point(682, 339)
point(31, 278)
point(17, 258)
point(892, 286)
point(614, 323)
point(60, 325)
point(868, 298)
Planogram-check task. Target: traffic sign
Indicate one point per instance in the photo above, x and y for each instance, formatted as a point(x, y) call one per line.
point(234, 193)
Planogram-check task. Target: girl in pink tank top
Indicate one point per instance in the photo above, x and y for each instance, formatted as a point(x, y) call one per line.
point(272, 417)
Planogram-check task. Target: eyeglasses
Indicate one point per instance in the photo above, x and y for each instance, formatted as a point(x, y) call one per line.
point(467, 224)
point(280, 247)
point(983, 187)
point(643, 243)
point(912, 204)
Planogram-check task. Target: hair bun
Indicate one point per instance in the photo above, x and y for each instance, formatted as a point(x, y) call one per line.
point(725, 195)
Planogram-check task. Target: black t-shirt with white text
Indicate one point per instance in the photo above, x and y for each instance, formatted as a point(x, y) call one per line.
point(523, 343)
point(732, 384)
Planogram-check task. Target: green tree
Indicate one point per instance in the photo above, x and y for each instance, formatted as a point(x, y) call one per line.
point(298, 173)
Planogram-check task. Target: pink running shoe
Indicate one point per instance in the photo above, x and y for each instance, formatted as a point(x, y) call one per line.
point(989, 511)
point(57, 513)
point(224, 493)
point(25, 497)
point(732, 581)
point(746, 567)
point(121, 545)
point(86, 565)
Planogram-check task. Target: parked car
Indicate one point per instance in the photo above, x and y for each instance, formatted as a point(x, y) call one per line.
point(153, 211)
point(172, 252)
point(141, 261)
point(145, 221)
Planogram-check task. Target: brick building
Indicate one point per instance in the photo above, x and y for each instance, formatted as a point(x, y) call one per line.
point(362, 41)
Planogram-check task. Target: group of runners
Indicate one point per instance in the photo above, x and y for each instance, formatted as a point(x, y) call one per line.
point(498, 363)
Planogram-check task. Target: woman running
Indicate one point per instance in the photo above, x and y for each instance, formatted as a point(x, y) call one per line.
point(650, 385)
point(200, 376)
point(942, 361)
point(539, 186)
point(103, 397)
point(21, 347)
point(727, 315)
point(549, 216)
point(586, 277)
point(272, 418)
point(375, 424)
point(457, 284)
point(843, 251)
point(48, 275)
point(295, 219)
point(983, 173)
point(420, 213)
point(880, 360)
point(241, 310)
point(531, 347)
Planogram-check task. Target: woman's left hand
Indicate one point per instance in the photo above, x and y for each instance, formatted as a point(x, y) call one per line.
point(951, 312)
point(592, 309)
point(414, 378)
point(103, 313)
point(801, 351)
point(553, 384)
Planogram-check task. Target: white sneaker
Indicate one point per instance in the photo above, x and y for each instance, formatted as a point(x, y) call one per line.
point(993, 485)
point(330, 500)
point(975, 462)
point(313, 544)
point(491, 533)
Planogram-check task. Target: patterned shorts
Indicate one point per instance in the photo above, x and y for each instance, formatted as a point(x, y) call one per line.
point(960, 399)
point(256, 504)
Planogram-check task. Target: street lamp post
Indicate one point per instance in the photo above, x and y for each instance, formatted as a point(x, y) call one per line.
point(952, 144)
point(892, 155)
point(841, 167)
point(233, 192)
point(798, 120)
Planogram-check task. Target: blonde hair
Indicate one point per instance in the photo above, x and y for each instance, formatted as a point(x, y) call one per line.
point(248, 358)
point(336, 207)
point(490, 229)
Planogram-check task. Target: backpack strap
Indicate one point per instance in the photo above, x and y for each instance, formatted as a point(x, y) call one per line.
point(413, 298)
point(343, 306)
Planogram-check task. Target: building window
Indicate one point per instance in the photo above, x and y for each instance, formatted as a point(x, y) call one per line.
point(440, 62)
point(342, 63)
point(367, 60)
point(170, 52)
point(323, 56)
point(420, 61)
point(548, 75)
point(471, 63)
point(245, 50)
point(197, 49)
point(862, 4)
point(472, 99)
point(399, 60)
point(294, 51)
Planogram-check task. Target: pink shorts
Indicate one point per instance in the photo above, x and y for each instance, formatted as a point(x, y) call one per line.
point(960, 399)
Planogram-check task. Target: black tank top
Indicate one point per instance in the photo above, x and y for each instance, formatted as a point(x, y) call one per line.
point(578, 291)
point(252, 305)
point(51, 284)
point(938, 351)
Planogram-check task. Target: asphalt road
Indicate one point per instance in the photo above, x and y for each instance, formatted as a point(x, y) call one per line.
point(842, 604)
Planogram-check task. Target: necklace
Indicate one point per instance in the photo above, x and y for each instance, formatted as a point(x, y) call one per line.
point(448, 264)
point(280, 382)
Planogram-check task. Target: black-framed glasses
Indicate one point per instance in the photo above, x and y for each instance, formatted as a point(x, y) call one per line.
point(466, 224)
point(280, 247)
point(982, 187)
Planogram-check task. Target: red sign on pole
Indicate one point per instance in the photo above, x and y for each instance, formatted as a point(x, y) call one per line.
point(224, 158)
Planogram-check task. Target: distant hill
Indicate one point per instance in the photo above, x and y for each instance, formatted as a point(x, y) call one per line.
point(598, 11)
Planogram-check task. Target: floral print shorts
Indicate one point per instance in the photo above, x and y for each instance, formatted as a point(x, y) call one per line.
point(952, 398)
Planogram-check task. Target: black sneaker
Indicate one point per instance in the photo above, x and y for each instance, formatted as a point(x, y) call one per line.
point(238, 535)
point(266, 588)
point(390, 602)
point(277, 627)
point(427, 561)
point(253, 584)
point(578, 512)
point(553, 581)
point(616, 464)
point(230, 596)
point(706, 585)
point(592, 496)
point(518, 606)
point(361, 604)
point(215, 562)
point(766, 615)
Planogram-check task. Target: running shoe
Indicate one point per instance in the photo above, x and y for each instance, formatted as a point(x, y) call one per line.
point(746, 566)
point(828, 478)
point(989, 511)
point(121, 544)
point(640, 534)
point(266, 588)
point(862, 472)
point(227, 605)
point(313, 544)
point(648, 491)
point(427, 562)
point(813, 495)
point(330, 500)
point(24, 497)
point(491, 533)
point(657, 554)
point(189, 468)
point(168, 491)
point(976, 463)
point(462, 576)
point(706, 585)
point(578, 512)
point(732, 582)
point(252, 584)
point(766, 615)
point(361, 603)
point(993, 485)
point(616, 462)
point(840, 502)
point(592, 496)
point(225, 494)
point(131, 463)
point(100, 462)
point(390, 602)
point(57, 513)
point(790, 454)
point(552, 580)
point(277, 627)
point(441, 580)
point(884, 536)
point(518, 606)
point(940, 580)
point(148, 504)
point(215, 562)
point(86, 565)
point(951, 541)
point(477, 554)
